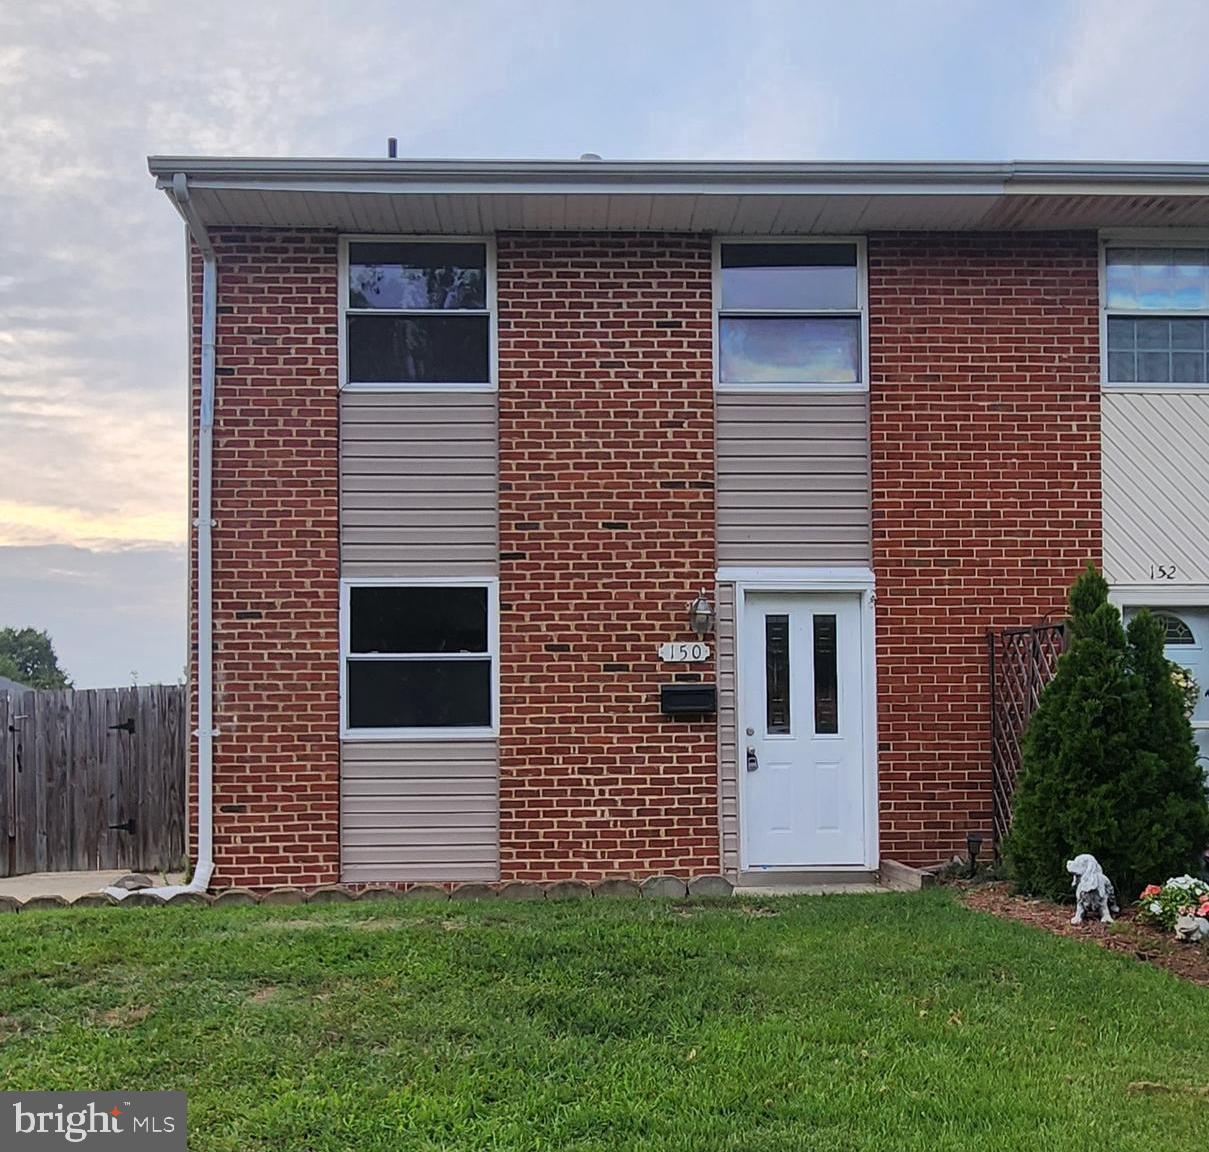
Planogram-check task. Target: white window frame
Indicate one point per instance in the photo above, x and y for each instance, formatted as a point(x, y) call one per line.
point(492, 585)
point(1144, 238)
point(492, 311)
point(862, 307)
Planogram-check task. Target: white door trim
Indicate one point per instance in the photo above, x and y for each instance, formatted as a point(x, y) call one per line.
point(860, 581)
point(1158, 595)
point(799, 579)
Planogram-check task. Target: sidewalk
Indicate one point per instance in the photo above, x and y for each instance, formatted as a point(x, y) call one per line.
point(69, 885)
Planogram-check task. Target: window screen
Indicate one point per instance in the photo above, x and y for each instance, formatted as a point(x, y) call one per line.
point(789, 314)
point(1157, 300)
point(418, 657)
point(417, 313)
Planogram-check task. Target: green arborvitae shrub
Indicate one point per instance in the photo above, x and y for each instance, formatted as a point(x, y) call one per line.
point(1108, 764)
point(1164, 815)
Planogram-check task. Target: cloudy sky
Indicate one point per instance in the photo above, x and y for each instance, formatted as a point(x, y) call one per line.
point(92, 337)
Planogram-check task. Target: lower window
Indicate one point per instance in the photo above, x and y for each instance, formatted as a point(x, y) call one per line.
point(418, 658)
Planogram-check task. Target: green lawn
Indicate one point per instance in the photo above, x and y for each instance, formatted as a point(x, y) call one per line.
point(849, 1022)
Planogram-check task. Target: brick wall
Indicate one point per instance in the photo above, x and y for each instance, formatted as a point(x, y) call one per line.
point(276, 559)
point(984, 409)
point(984, 424)
point(606, 533)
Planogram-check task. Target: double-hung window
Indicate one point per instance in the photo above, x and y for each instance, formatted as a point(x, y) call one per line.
point(790, 315)
point(1156, 304)
point(417, 314)
point(419, 658)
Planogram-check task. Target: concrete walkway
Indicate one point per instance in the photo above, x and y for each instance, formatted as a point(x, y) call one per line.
point(856, 889)
point(69, 885)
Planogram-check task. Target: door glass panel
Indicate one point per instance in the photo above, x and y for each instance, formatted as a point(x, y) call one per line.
point(776, 673)
point(826, 678)
point(1174, 629)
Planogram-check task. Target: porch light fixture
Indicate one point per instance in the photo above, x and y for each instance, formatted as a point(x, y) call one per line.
point(701, 615)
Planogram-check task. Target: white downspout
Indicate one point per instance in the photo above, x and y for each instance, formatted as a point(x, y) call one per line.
point(203, 867)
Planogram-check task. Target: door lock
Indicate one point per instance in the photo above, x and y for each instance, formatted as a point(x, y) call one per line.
point(753, 761)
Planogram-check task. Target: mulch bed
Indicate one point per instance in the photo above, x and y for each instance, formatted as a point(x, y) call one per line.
point(1191, 961)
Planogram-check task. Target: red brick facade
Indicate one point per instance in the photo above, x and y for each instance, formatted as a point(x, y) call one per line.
point(276, 559)
point(606, 534)
point(984, 408)
point(986, 502)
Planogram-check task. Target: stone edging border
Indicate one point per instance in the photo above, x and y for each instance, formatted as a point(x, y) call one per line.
point(652, 888)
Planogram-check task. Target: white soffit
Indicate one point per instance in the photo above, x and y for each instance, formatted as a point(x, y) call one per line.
point(480, 197)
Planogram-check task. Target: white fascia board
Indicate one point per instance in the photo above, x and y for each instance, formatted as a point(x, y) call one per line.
point(1139, 187)
point(1024, 178)
point(618, 171)
point(443, 187)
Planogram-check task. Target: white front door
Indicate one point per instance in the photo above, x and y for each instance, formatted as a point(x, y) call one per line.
point(801, 731)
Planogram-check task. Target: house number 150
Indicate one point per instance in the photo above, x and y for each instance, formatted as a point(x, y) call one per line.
point(681, 652)
point(1162, 571)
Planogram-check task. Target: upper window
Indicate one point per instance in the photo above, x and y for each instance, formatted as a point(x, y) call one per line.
point(417, 314)
point(1157, 304)
point(790, 314)
point(418, 657)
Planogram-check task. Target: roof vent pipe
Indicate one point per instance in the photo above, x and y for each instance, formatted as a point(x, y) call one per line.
point(392, 148)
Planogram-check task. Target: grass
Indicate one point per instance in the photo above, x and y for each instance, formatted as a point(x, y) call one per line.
point(837, 1023)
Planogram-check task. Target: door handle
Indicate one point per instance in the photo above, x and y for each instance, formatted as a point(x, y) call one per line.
point(753, 761)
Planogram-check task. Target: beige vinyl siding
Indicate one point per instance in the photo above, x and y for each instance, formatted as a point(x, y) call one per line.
point(728, 783)
point(415, 811)
point(1156, 486)
point(793, 479)
point(418, 498)
point(418, 489)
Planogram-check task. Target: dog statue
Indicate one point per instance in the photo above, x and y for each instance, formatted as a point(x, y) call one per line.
point(1094, 893)
point(1192, 928)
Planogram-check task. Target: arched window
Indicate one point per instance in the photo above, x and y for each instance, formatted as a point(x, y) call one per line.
point(1174, 629)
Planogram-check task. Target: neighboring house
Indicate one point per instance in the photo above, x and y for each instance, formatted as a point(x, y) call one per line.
point(483, 431)
point(13, 687)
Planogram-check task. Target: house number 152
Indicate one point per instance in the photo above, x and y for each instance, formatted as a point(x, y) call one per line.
point(1162, 571)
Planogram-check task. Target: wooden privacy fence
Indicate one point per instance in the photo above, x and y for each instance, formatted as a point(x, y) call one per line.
point(93, 779)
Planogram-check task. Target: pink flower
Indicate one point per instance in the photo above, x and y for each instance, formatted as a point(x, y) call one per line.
point(1150, 890)
point(1203, 910)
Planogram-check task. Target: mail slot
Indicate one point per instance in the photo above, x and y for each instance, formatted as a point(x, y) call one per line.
point(688, 699)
